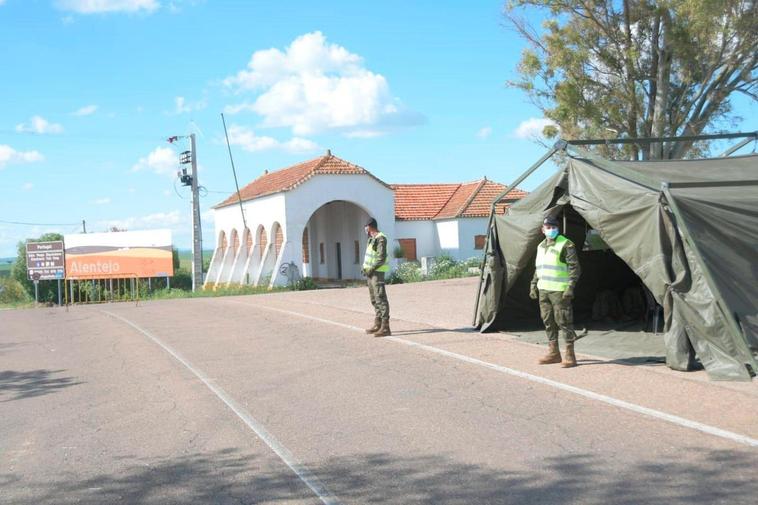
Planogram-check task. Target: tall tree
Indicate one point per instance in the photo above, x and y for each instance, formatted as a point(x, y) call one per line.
point(638, 68)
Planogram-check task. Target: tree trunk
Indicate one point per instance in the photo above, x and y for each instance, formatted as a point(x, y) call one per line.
point(653, 91)
point(662, 86)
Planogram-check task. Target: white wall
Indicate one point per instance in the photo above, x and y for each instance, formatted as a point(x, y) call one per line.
point(456, 236)
point(373, 197)
point(447, 232)
point(468, 227)
point(425, 233)
point(261, 211)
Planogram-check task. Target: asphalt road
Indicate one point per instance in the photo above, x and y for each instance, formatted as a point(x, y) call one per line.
point(281, 399)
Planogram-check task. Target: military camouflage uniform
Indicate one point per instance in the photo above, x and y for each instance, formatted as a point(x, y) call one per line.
point(376, 290)
point(558, 313)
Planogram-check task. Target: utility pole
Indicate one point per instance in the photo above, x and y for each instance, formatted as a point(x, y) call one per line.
point(197, 234)
point(187, 158)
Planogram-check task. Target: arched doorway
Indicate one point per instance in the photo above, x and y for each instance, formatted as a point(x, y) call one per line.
point(335, 241)
point(278, 239)
point(262, 241)
point(235, 241)
point(248, 242)
point(222, 244)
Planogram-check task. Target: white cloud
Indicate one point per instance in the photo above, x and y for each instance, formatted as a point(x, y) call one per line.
point(484, 132)
point(161, 160)
point(313, 86)
point(87, 110)
point(150, 221)
point(105, 6)
point(40, 125)
point(532, 128)
point(249, 141)
point(27, 186)
point(182, 106)
point(9, 155)
point(101, 201)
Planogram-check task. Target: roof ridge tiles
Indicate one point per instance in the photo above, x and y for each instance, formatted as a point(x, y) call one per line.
point(460, 185)
point(471, 198)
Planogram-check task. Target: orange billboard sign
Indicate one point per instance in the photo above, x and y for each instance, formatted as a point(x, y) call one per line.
point(119, 254)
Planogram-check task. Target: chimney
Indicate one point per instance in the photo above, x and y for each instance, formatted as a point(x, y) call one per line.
point(265, 172)
point(328, 152)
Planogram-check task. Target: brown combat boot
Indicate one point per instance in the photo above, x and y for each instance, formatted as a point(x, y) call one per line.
point(384, 330)
point(375, 328)
point(553, 354)
point(569, 360)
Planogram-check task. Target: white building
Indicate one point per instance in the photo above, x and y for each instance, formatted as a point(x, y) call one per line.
point(310, 217)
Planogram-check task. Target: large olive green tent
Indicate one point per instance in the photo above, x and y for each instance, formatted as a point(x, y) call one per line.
point(686, 229)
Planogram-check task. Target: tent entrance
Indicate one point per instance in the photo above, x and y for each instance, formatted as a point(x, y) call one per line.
point(611, 301)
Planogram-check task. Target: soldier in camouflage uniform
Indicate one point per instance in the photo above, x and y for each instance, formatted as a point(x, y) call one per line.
point(375, 267)
point(555, 276)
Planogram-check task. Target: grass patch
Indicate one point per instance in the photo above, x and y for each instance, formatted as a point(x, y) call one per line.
point(173, 293)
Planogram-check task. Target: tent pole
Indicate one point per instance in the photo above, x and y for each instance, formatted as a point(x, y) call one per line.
point(559, 146)
point(650, 140)
point(720, 303)
point(739, 146)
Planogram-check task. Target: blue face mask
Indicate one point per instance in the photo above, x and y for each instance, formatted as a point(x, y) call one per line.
point(551, 233)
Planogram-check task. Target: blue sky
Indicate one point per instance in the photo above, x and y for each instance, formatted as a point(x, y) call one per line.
point(414, 92)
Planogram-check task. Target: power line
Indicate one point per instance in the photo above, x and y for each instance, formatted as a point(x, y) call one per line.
point(39, 224)
point(82, 136)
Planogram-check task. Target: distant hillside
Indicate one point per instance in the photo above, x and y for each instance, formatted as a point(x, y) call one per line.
point(185, 258)
point(5, 266)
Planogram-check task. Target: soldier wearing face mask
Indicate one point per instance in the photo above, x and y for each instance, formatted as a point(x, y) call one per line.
point(555, 276)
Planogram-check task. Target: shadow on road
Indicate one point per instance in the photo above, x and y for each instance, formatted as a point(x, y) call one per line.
point(19, 385)
point(227, 477)
point(435, 330)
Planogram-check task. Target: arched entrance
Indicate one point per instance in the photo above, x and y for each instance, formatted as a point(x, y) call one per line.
point(335, 241)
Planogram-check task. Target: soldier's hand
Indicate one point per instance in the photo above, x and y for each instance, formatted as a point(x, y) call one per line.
point(534, 293)
point(568, 295)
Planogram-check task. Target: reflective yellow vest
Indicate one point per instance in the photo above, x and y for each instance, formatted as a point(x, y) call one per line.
point(553, 274)
point(372, 256)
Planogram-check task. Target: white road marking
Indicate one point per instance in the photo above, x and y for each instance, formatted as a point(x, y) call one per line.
point(284, 454)
point(639, 409)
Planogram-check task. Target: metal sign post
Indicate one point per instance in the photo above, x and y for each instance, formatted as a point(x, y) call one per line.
point(36, 291)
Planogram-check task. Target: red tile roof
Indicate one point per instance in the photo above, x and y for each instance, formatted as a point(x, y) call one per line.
point(481, 201)
point(412, 201)
point(449, 201)
point(289, 178)
point(421, 201)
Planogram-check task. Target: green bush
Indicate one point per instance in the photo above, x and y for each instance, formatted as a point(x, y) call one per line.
point(445, 267)
point(304, 284)
point(182, 279)
point(12, 292)
point(409, 271)
point(473, 262)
